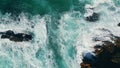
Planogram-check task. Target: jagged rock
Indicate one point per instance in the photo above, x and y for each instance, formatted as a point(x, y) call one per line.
point(93, 18)
point(108, 55)
point(18, 37)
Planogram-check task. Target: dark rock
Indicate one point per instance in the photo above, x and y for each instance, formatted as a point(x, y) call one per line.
point(106, 55)
point(116, 58)
point(21, 37)
point(118, 24)
point(84, 65)
point(98, 46)
point(18, 37)
point(93, 18)
point(117, 41)
point(9, 32)
point(109, 46)
point(89, 58)
point(27, 37)
point(5, 36)
point(98, 49)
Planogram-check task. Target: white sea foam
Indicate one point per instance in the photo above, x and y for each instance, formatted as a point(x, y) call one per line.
point(75, 37)
point(109, 18)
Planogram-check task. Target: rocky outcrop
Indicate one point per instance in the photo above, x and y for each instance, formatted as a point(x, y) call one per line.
point(106, 55)
point(92, 18)
point(18, 37)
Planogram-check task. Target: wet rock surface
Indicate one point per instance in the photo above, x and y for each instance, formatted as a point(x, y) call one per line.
point(18, 37)
point(106, 55)
point(92, 18)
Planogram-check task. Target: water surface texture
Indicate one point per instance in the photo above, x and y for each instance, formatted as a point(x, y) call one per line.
point(61, 33)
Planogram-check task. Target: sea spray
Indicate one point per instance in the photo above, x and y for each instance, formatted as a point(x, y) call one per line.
point(60, 30)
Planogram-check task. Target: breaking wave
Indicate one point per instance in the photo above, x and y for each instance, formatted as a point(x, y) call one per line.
point(61, 33)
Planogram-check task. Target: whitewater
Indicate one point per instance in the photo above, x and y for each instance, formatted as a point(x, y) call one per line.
point(59, 39)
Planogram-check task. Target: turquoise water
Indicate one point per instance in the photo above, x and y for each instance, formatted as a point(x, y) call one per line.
point(41, 6)
point(61, 33)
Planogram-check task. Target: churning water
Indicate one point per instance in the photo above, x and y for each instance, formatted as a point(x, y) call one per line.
point(60, 31)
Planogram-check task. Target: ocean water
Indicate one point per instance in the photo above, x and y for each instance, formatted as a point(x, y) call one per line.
point(60, 32)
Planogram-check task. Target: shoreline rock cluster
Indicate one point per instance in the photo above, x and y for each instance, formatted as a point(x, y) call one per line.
point(106, 55)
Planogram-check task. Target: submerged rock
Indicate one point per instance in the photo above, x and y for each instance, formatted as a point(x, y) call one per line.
point(18, 37)
point(92, 18)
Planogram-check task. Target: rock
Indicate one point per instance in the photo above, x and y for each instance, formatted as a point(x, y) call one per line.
point(117, 41)
point(116, 58)
point(27, 37)
point(18, 37)
point(5, 36)
point(93, 18)
point(21, 37)
point(98, 46)
point(9, 32)
point(89, 58)
point(109, 46)
point(83, 65)
point(106, 55)
point(118, 24)
point(98, 49)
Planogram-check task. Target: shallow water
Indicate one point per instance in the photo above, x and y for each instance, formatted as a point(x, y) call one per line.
point(60, 31)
